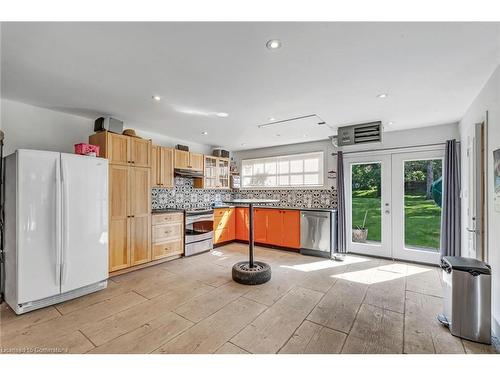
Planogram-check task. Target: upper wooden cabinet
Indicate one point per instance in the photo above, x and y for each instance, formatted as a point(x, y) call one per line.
point(181, 159)
point(216, 173)
point(162, 166)
point(196, 161)
point(123, 150)
point(188, 160)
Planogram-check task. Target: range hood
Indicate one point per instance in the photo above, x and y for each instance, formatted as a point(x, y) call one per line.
point(188, 173)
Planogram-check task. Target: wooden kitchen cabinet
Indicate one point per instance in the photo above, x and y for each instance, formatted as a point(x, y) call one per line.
point(122, 150)
point(140, 152)
point(168, 235)
point(162, 167)
point(119, 254)
point(188, 160)
point(181, 159)
point(140, 215)
point(196, 161)
point(129, 216)
point(116, 148)
point(215, 174)
point(224, 225)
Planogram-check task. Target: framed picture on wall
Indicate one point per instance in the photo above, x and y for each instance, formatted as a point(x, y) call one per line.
point(496, 179)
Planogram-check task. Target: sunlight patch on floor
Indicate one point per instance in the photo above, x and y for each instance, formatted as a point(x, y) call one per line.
point(217, 253)
point(324, 264)
point(378, 275)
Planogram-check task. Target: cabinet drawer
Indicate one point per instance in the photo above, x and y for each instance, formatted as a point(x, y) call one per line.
point(167, 232)
point(166, 249)
point(219, 212)
point(169, 218)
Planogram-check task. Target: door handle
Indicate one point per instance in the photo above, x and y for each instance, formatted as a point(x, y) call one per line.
point(65, 214)
point(472, 230)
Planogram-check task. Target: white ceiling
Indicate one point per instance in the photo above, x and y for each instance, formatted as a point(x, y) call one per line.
point(431, 71)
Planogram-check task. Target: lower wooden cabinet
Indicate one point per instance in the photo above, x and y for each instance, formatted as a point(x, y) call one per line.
point(271, 226)
point(224, 225)
point(168, 235)
point(129, 216)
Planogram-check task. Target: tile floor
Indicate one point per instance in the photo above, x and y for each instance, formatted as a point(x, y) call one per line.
point(191, 305)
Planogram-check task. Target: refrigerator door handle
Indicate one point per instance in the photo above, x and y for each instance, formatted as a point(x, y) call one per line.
point(58, 222)
point(65, 203)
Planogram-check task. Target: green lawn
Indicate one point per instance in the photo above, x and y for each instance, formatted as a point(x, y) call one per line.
point(422, 218)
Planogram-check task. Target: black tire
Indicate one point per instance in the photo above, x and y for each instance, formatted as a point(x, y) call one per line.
point(260, 274)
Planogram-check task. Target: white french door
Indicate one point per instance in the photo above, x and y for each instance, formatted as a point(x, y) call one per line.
point(416, 217)
point(393, 204)
point(368, 194)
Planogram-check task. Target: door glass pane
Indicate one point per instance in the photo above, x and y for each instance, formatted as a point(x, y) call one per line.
point(366, 202)
point(423, 197)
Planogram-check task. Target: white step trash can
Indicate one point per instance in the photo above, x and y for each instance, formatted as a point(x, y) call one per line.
point(467, 298)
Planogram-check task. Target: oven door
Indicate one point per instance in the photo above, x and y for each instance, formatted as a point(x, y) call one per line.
point(199, 227)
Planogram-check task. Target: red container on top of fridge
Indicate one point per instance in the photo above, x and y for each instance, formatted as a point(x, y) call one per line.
point(86, 149)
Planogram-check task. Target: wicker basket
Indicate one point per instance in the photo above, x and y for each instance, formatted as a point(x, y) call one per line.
point(359, 234)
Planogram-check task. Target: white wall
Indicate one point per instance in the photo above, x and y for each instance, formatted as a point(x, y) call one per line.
point(31, 127)
point(404, 138)
point(487, 100)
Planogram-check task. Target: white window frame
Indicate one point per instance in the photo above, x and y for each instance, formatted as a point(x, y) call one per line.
point(276, 159)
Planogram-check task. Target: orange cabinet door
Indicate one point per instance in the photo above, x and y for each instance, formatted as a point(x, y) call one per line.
point(231, 225)
point(260, 225)
point(241, 221)
point(275, 227)
point(291, 228)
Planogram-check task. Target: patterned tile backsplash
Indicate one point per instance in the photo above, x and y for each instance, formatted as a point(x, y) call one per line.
point(308, 198)
point(184, 195)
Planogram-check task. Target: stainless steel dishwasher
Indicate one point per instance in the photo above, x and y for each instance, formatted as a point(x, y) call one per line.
point(318, 232)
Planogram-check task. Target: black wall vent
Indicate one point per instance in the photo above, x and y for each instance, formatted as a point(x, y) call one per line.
point(360, 133)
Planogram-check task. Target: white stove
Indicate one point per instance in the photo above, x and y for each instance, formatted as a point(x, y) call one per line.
point(199, 227)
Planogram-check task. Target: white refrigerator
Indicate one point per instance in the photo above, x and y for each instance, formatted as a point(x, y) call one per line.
point(56, 227)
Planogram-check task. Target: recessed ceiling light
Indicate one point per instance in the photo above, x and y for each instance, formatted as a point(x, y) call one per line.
point(273, 44)
point(271, 119)
point(222, 114)
point(390, 123)
point(157, 98)
point(383, 95)
point(204, 133)
point(243, 144)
